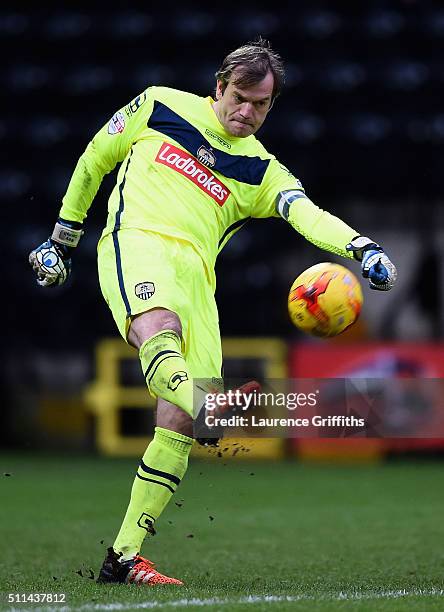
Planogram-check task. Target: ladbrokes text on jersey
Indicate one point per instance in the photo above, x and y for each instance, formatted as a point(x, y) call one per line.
point(188, 166)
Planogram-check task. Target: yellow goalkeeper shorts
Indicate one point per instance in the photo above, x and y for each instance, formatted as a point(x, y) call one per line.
point(140, 270)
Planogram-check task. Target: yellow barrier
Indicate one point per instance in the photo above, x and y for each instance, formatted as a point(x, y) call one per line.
point(107, 396)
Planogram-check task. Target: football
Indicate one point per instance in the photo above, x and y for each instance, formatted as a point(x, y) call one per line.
point(325, 300)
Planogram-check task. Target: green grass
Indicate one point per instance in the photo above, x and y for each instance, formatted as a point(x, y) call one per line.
point(281, 529)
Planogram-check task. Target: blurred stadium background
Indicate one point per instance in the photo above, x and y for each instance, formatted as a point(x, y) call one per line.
point(360, 122)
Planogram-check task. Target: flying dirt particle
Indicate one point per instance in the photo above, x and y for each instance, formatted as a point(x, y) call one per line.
point(251, 473)
point(91, 574)
point(80, 573)
point(7, 474)
point(211, 518)
point(190, 535)
point(178, 504)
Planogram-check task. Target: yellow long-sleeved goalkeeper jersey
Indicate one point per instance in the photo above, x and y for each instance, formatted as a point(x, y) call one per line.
point(183, 175)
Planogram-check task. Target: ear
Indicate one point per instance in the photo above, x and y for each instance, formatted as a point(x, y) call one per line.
point(219, 92)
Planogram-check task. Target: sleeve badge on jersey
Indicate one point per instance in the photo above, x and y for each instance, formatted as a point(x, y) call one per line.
point(135, 104)
point(116, 124)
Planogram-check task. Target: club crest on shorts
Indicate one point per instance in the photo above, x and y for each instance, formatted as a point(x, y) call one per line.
point(176, 379)
point(144, 290)
point(206, 156)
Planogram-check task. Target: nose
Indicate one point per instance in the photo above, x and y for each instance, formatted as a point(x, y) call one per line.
point(246, 110)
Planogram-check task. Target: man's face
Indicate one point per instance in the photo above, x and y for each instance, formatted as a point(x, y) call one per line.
point(242, 111)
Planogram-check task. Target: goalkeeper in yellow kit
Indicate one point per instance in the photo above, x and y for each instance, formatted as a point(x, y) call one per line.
point(192, 173)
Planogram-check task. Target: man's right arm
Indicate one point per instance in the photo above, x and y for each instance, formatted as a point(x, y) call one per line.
point(108, 147)
point(51, 261)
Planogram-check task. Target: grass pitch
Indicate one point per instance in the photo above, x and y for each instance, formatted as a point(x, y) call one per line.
point(243, 536)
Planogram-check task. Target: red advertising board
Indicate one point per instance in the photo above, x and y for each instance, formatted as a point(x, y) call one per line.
point(371, 361)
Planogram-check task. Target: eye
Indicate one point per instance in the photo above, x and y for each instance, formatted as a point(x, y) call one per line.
point(238, 98)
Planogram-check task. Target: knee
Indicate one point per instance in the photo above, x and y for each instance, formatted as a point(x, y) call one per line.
point(169, 320)
point(149, 323)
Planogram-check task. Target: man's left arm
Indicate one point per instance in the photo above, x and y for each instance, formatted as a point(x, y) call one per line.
point(331, 234)
point(282, 194)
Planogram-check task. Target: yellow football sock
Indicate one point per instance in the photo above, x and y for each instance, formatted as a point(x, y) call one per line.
point(162, 468)
point(166, 371)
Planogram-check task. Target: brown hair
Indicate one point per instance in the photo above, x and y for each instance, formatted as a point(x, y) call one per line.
point(253, 62)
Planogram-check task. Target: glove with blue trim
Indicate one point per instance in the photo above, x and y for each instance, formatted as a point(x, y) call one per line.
point(375, 265)
point(51, 261)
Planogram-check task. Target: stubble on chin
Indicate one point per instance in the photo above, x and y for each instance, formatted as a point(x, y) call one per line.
point(237, 130)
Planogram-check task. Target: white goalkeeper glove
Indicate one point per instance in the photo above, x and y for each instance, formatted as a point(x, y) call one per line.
point(375, 265)
point(51, 261)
